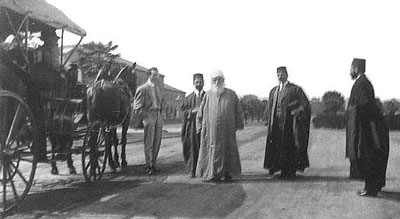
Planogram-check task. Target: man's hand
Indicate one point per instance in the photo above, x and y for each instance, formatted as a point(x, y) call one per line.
point(295, 113)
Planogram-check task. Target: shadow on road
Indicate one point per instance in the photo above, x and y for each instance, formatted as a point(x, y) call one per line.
point(171, 200)
point(265, 178)
point(133, 193)
point(390, 195)
point(71, 197)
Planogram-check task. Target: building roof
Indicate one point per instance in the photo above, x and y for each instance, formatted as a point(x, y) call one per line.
point(127, 62)
point(168, 87)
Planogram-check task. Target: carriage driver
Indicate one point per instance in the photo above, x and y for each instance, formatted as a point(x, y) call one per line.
point(51, 52)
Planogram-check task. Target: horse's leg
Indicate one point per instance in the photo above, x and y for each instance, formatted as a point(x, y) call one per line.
point(125, 127)
point(109, 151)
point(115, 143)
point(53, 142)
point(70, 162)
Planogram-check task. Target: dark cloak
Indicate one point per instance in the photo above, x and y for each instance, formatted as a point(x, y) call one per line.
point(190, 140)
point(367, 134)
point(292, 154)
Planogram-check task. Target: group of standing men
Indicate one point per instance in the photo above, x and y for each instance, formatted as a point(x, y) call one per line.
point(212, 118)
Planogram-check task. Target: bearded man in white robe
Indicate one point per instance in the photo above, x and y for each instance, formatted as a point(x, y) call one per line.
point(219, 117)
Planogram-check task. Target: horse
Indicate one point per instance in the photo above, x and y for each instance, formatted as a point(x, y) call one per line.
point(64, 117)
point(110, 103)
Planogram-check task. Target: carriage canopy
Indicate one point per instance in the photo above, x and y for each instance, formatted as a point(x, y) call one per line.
point(42, 12)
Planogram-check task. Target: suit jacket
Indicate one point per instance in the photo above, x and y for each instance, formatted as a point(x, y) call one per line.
point(143, 104)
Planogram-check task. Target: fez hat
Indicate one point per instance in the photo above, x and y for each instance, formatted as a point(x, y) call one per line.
point(359, 64)
point(198, 75)
point(281, 69)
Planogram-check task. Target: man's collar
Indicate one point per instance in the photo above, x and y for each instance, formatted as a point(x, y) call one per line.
point(283, 84)
point(197, 92)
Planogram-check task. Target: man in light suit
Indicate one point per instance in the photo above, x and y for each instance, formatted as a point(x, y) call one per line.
point(147, 105)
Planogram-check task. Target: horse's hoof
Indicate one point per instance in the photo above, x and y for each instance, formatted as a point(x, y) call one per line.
point(72, 171)
point(54, 171)
point(124, 163)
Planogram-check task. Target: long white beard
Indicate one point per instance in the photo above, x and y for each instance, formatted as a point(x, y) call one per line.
point(218, 90)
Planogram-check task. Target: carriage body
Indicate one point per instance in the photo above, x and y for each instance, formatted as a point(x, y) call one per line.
point(35, 97)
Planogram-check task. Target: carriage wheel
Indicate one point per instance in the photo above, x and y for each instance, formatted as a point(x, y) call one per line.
point(18, 133)
point(94, 152)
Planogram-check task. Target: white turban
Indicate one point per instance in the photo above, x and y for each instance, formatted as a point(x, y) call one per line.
point(217, 73)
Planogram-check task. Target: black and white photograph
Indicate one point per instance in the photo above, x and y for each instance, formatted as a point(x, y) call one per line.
point(199, 109)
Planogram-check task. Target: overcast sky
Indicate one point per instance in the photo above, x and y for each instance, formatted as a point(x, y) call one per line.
point(248, 40)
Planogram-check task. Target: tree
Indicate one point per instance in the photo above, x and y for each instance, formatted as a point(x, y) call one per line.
point(93, 56)
point(390, 107)
point(252, 107)
point(332, 102)
point(316, 106)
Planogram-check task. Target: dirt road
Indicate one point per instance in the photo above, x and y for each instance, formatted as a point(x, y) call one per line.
point(322, 191)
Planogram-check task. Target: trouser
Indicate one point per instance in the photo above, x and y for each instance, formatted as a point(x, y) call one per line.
point(194, 156)
point(356, 169)
point(152, 137)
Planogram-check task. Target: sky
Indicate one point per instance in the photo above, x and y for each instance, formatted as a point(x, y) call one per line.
point(247, 40)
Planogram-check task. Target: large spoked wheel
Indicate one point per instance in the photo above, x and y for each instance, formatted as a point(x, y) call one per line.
point(18, 134)
point(94, 152)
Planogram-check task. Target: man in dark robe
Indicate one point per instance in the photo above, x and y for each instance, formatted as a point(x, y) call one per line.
point(191, 139)
point(219, 117)
point(367, 134)
point(288, 124)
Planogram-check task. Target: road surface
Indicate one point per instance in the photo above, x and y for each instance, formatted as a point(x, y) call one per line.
point(322, 191)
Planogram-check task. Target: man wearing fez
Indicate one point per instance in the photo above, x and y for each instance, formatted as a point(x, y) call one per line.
point(191, 139)
point(147, 105)
point(219, 117)
point(367, 134)
point(288, 114)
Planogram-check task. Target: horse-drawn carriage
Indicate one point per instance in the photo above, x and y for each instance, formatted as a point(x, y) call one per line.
point(39, 102)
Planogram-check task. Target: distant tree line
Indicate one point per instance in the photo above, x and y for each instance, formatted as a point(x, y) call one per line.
point(329, 112)
point(253, 108)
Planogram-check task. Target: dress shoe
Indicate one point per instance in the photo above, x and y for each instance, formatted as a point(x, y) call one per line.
point(367, 193)
point(271, 172)
point(149, 170)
